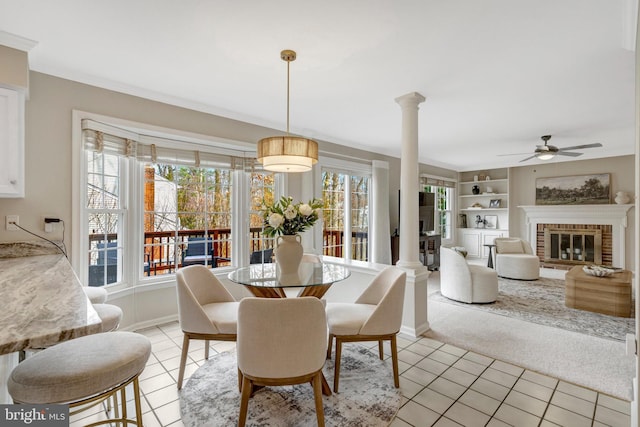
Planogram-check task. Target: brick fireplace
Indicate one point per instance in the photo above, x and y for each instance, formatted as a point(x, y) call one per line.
point(572, 244)
point(593, 234)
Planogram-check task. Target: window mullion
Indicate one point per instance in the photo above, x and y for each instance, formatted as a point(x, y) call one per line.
point(347, 240)
point(240, 221)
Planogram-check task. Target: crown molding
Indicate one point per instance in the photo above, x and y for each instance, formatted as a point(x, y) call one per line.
point(16, 42)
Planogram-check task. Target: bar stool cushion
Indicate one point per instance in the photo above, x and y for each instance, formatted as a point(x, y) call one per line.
point(80, 368)
point(110, 314)
point(96, 295)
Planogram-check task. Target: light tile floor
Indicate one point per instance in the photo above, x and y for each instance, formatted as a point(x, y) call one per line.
point(442, 385)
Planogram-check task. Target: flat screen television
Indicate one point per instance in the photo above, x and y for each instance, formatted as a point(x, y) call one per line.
point(426, 212)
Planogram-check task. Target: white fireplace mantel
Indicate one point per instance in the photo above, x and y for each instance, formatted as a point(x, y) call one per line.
point(614, 215)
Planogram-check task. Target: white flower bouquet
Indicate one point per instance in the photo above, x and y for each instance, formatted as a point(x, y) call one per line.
point(286, 218)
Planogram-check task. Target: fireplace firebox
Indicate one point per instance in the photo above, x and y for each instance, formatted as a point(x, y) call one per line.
point(573, 246)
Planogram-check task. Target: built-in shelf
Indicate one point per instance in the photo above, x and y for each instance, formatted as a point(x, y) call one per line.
point(492, 199)
point(485, 195)
point(483, 209)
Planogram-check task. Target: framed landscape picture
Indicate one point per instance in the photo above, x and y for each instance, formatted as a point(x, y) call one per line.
point(592, 189)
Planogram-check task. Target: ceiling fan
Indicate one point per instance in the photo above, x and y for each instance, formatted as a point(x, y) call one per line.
point(548, 152)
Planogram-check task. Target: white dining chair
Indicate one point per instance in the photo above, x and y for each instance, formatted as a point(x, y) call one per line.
point(206, 310)
point(375, 316)
point(281, 341)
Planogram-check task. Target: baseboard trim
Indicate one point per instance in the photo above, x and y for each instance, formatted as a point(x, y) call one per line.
point(415, 332)
point(150, 323)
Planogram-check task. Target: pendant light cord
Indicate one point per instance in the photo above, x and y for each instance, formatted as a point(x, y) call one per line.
point(288, 64)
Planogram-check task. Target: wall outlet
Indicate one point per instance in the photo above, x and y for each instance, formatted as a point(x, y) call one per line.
point(50, 222)
point(9, 219)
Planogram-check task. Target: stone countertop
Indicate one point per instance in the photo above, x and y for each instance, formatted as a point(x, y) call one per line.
point(41, 299)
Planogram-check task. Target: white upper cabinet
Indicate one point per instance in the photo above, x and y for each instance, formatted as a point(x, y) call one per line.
point(11, 143)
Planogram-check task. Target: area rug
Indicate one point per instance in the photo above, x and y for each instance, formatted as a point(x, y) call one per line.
point(542, 301)
point(367, 396)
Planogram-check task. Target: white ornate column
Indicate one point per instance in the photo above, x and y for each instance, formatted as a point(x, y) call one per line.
point(409, 240)
point(414, 315)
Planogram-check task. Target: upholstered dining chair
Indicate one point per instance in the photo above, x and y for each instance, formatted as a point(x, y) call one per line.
point(206, 310)
point(281, 341)
point(375, 316)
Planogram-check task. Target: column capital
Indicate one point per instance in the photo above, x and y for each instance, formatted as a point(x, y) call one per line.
point(411, 99)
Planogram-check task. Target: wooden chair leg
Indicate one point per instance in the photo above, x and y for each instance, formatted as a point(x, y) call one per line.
point(329, 345)
point(244, 401)
point(317, 393)
point(183, 360)
point(240, 376)
point(394, 358)
point(206, 349)
point(381, 349)
point(336, 374)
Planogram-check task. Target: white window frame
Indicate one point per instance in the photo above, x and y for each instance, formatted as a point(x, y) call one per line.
point(349, 168)
point(133, 200)
point(452, 210)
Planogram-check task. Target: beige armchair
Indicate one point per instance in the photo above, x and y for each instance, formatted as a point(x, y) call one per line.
point(375, 316)
point(464, 282)
point(281, 341)
point(207, 311)
point(515, 259)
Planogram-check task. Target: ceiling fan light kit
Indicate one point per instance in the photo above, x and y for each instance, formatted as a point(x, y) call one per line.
point(287, 153)
point(546, 152)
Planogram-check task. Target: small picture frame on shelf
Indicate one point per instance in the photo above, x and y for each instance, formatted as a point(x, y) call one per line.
point(495, 203)
point(491, 221)
point(462, 218)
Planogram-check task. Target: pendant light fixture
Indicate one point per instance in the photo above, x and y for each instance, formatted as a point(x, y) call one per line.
point(287, 153)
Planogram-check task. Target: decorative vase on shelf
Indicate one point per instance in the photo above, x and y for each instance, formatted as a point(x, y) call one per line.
point(622, 198)
point(475, 189)
point(288, 255)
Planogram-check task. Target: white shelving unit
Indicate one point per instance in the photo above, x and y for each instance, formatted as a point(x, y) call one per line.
point(491, 204)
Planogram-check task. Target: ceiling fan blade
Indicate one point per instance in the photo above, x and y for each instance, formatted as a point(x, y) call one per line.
point(512, 154)
point(528, 158)
point(580, 147)
point(568, 153)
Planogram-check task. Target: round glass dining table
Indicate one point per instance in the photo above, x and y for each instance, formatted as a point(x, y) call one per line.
point(265, 280)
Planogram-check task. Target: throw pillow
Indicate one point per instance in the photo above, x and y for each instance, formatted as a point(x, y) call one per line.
point(461, 250)
point(509, 247)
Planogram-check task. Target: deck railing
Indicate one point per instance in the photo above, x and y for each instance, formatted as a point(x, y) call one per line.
point(164, 250)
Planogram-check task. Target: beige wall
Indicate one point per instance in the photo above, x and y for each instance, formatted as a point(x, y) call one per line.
point(523, 180)
point(48, 146)
point(14, 71)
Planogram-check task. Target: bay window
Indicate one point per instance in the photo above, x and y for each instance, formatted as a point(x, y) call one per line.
point(151, 205)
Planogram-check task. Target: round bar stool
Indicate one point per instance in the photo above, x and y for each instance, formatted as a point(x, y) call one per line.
point(82, 371)
point(96, 295)
point(110, 314)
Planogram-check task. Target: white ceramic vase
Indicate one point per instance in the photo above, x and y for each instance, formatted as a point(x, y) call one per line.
point(288, 255)
point(622, 198)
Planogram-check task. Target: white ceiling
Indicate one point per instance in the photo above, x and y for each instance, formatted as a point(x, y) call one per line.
point(497, 74)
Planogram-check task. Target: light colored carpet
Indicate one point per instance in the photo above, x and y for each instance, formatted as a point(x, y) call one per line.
point(367, 395)
point(596, 363)
point(542, 301)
